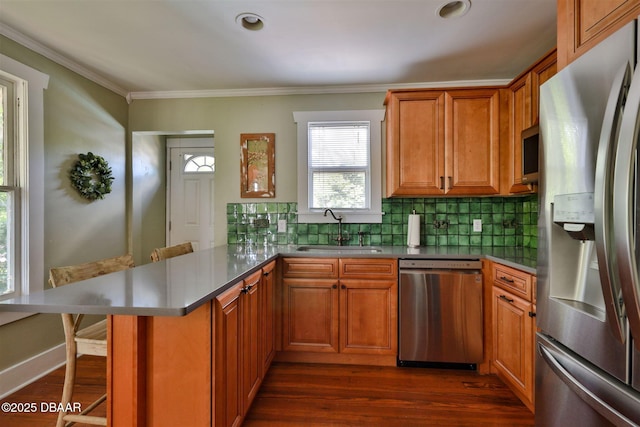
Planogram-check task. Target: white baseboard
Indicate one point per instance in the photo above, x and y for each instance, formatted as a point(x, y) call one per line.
point(26, 372)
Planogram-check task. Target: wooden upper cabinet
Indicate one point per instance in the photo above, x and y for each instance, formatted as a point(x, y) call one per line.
point(523, 105)
point(443, 142)
point(415, 143)
point(584, 23)
point(472, 141)
point(542, 71)
point(521, 117)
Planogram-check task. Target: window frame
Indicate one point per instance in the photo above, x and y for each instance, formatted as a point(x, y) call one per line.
point(30, 166)
point(372, 214)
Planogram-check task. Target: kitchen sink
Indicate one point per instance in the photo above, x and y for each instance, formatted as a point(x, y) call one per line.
point(326, 248)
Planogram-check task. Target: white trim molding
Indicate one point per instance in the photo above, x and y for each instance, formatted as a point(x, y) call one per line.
point(27, 371)
point(32, 258)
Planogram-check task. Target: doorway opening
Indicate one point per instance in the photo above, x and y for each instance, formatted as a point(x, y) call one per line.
point(166, 193)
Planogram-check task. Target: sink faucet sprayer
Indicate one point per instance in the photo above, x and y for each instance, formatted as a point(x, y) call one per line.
point(340, 239)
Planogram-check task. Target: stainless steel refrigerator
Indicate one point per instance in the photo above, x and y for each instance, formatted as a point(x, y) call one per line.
point(588, 302)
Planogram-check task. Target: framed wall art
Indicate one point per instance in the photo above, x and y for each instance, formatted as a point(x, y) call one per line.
point(257, 165)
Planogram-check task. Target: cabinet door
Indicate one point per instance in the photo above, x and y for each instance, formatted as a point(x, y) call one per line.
point(546, 68)
point(513, 342)
point(584, 23)
point(252, 361)
point(415, 138)
point(267, 291)
point(521, 113)
point(368, 316)
point(472, 141)
point(228, 351)
point(310, 315)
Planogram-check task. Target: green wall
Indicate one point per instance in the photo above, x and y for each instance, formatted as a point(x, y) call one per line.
point(79, 116)
point(229, 117)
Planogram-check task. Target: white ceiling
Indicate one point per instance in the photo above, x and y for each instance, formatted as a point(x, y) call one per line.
point(156, 46)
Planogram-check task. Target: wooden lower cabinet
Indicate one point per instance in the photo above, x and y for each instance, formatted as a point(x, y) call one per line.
point(514, 333)
point(239, 356)
point(268, 301)
point(368, 316)
point(339, 319)
point(310, 315)
point(228, 351)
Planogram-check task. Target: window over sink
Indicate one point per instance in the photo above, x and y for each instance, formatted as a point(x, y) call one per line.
point(339, 165)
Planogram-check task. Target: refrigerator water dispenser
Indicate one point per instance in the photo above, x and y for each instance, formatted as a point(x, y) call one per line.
point(575, 214)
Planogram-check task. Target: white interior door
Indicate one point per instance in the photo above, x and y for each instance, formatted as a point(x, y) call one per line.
point(190, 203)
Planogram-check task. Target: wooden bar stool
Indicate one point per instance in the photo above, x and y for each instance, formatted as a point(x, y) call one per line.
point(90, 340)
point(159, 254)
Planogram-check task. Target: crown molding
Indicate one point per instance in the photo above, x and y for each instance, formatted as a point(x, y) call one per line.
point(56, 57)
point(312, 90)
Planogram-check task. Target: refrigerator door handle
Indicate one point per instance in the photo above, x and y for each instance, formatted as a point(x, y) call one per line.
point(603, 197)
point(584, 381)
point(623, 202)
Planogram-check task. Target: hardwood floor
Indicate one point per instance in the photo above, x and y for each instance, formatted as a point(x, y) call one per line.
point(326, 395)
point(91, 380)
point(339, 395)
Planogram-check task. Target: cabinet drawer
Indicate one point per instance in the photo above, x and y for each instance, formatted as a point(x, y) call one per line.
point(327, 268)
point(512, 280)
point(362, 268)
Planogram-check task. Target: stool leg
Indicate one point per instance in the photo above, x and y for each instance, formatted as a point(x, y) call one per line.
point(69, 381)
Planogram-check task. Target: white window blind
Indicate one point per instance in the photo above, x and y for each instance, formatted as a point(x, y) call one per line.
point(339, 165)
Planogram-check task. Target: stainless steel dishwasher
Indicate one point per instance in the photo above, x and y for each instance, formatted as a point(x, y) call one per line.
point(440, 312)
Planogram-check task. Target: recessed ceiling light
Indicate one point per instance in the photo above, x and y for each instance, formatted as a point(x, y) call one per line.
point(454, 9)
point(250, 21)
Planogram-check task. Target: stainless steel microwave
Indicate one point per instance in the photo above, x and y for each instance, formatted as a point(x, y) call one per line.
point(530, 139)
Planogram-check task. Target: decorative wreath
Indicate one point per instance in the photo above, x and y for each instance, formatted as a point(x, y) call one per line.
point(91, 176)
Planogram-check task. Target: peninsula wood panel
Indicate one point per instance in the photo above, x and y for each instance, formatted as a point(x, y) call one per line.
point(146, 370)
point(179, 359)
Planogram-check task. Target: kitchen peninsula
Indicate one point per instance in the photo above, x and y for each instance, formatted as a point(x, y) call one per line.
point(165, 321)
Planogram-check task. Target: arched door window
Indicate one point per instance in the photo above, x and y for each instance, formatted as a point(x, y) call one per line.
point(199, 163)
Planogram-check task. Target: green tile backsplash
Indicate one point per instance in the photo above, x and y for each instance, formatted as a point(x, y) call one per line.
point(506, 221)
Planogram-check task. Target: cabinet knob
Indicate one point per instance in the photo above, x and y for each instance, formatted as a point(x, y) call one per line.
point(343, 287)
point(335, 286)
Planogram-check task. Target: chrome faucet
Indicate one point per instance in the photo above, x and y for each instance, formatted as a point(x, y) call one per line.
point(340, 239)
